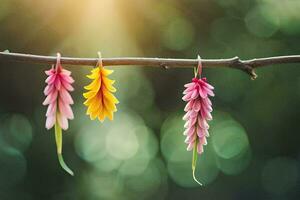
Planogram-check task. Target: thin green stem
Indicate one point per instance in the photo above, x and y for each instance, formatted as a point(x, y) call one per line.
point(58, 140)
point(194, 161)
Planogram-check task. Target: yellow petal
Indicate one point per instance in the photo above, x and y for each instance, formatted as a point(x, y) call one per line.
point(107, 81)
point(94, 115)
point(110, 88)
point(94, 107)
point(87, 102)
point(110, 96)
point(94, 85)
point(101, 115)
point(89, 94)
point(108, 113)
point(106, 72)
point(95, 74)
point(96, 70)
point(109, 105)
point(90, 100)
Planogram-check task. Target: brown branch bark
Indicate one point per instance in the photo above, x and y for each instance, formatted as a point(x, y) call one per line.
point(247, 66)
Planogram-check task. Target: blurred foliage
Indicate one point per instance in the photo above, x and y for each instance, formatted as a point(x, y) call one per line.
point(253, 148)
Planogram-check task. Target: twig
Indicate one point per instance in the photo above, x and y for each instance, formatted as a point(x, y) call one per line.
point(247, 66)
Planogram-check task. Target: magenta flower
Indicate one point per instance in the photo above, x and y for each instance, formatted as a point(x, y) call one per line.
point(198, 111)
point(59, 100)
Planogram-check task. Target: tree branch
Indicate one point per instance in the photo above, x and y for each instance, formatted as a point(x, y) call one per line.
point(247, 66)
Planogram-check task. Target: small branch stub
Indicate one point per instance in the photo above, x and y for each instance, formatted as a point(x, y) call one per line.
point(248, 68)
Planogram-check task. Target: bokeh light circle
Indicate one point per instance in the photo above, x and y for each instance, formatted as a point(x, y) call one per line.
point(121, 142)
point(16, 131)
point(147, 151)
point(88, 145)
point(179, 34)
point(229, 139)
point(20, 131)
point(258, 23)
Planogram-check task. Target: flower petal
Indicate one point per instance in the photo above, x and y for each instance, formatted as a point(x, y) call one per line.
point(62, 121)
point(65, 96)
point(50, 98)
point(65, 109)
point(50, 121)
point(51, 110)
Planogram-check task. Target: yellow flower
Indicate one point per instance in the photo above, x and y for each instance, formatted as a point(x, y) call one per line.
point(100, 101)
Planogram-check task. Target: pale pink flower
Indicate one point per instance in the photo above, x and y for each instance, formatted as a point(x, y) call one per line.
point(198, 112)
point(58, 98)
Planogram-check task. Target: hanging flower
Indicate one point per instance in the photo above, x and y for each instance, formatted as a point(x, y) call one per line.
point(59, 100)
point(100, 101)
point(198, 111)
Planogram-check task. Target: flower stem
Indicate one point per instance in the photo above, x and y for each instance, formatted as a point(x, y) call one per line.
point(195, 71)
point(194, 162)
point(58, 140)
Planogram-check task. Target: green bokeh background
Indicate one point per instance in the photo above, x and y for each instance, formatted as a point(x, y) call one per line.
point(253, 148)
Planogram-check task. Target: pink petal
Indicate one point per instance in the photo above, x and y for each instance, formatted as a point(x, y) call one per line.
point(66, 78)
point(57, 84)
point(48, 89)
point(185, 132)
point(197, 106)
point(200, 148)
point(51, 111)
point(208, 91)
point(189, 85)
point(208, 116)
point(188, 89)
point(193, 113)
point(192, 121)
point(201, 132)
point(62, 121)
point(207, 85)
point(65, 72)
point(50, 72)
point(50, 79)
point(187, 96)
point(190, 146)
point(186, 125)
point(191, 131)
point(67, 85)
point(50, 121)
point(65, 110)
point(190, 139)
point(189, 106)
point(50, 98)
point(207, 101)
point(194, 94)
point(186, 116)
point(202, 123)
point(206, 106)
point(203, 141)
point(202, 93)
point(205, 114)
point(65, 96)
